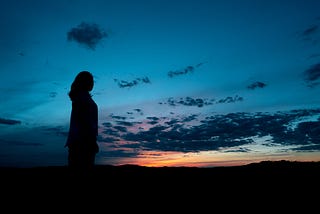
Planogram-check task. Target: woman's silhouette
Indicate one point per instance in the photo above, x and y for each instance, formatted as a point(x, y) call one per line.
point(82, 137)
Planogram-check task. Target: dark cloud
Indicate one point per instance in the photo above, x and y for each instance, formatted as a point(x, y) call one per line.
point(20, 143)
point(57, 130)
point(238, 150)
point(190, 118)
point(312, 56)
point(107, 139)
point(223, 132)
point(118, 117)
point(135, 111)
point(310, 34)
point(53, 94)
point(115, 128)
point(129, 84)
point(200, 102)
point(153, 120)
point(126, 123)
point(9, 121)
point(310, 30)
point(111, 132)
point(121, 128)
point(312, 75)
point(138, 110)
point(230, 99)
point(119, 153)
point(308, 148)
point(87, 34)
point(188, 101)
point(186, 70)
point(107, 124)
point(256, 85)
point(135, 82)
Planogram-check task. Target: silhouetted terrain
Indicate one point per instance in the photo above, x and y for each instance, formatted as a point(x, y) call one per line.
point(163, 186)
point(265, 170)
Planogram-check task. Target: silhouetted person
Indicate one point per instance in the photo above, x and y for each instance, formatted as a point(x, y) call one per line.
point(82, 137)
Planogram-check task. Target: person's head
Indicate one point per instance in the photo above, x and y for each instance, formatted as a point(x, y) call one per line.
point(83, 82)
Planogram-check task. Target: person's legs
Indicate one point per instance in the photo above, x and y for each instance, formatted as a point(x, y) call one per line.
point(88, 159)
point(81, 159)
point(74, 158)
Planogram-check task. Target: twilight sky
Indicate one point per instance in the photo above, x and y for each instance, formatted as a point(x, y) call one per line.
point(178, 83)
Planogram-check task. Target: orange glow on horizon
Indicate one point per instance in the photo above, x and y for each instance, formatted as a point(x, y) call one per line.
point(208, 159)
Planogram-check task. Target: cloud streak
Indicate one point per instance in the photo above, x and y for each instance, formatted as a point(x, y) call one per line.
point(200, 102)
point(312, 75)
point(257, 84)
point(9, 121)
point(186, 70)
point(129, 84)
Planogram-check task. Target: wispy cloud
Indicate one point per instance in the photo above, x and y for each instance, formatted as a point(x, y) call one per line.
point(129, 84)
point(200, 102)
point(312, 75)
point(310, 30)
point(310, 34)
point(19, 143)
point(188, 101)
point(186, 70)
point(256, 84)
point(9, 121)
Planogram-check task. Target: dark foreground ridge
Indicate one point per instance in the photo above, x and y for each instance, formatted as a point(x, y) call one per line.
point(280, 179)
point(266, 170)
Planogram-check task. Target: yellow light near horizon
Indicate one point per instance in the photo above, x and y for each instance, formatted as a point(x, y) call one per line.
point(209, 159)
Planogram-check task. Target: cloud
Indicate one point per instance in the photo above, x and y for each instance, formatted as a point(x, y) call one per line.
point(309, 148)
point(186, 70)
point(53, 94)
point(135, 111)
point(200, 102)
point(118, 153)
point(56, 130)
point(238, 150)
point(20, 143)
point(256, 85)
point(129, 84)
point(310, 34)
point(312, 56)
point(135, 82)
point(189, 101)
point(118, 117)
point(86, 34)
point(312, 74)
point(231, 99)
point(153, 120)
point(310, 30)
point(225, 132)
point(9, 121)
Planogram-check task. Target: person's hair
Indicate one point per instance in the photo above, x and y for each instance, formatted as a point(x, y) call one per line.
point(82, 82)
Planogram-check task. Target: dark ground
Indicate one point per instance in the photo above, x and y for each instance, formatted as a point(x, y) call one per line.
point(265, 171)
point(266, 182)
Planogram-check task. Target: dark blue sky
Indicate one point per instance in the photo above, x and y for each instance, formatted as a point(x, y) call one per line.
point(195, 82)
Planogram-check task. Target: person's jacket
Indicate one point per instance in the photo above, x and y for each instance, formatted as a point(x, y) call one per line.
point(83, 130)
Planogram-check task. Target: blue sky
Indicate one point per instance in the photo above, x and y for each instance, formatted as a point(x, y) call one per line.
point(193, 83)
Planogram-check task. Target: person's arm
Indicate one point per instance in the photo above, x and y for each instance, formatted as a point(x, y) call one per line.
point(88, 119)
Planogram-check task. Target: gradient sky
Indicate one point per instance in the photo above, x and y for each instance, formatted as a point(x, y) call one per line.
point(178, 83)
